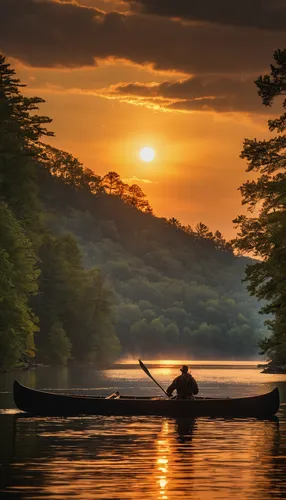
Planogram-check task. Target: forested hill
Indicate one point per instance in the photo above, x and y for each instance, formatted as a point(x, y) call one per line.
point(176, 290)
point(89, 273)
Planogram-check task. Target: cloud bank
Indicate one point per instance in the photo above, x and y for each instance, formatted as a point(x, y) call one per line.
point(220, 46)
point(66, 34)
point(223, 94)
point(265, 14)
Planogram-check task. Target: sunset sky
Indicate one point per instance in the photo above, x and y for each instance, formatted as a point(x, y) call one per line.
point(174, 75)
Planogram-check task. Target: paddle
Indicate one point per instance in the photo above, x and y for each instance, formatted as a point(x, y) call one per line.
point(114, 395)
point(145, 369)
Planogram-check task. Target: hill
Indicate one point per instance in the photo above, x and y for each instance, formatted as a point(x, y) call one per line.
point(175, 290)
point(88, 272)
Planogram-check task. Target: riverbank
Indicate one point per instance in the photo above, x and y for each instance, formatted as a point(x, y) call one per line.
point(272, 368)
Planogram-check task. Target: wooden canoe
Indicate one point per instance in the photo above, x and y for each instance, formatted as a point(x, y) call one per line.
point(47, 403)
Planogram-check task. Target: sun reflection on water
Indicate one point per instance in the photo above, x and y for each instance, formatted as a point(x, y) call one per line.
point(163, 454)
point(132, 458)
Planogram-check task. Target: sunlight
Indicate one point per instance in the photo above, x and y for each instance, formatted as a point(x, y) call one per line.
point(147, 154)
point(163, 453)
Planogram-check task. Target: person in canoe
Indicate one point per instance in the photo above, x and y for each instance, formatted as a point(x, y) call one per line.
point(185, 385)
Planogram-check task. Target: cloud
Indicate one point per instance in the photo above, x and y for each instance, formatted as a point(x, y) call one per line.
point(265, 14)
point(52, 33)
point(135, 179)
point(201, 93)
point(105, 5)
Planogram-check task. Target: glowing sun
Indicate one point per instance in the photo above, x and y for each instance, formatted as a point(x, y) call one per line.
point(147, 154)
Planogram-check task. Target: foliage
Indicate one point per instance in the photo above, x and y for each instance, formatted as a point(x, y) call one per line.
point(168, 280)
point(263, 233)
point(59, 346)
point(74, 174)
point(69, 294)
point(176, 289)
point(18, 281)
point(61, 305)
point(20, 132)
point(69, 169)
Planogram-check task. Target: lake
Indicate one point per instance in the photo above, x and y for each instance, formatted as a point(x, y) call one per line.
point(120, 458)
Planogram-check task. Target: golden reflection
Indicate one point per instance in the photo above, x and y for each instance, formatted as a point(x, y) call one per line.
point(202, 459)
point(194, 362)
point(163, 483)
point(164, 371)
point(163, 454)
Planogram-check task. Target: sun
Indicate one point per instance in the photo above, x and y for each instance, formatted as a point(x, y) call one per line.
point(147, 154)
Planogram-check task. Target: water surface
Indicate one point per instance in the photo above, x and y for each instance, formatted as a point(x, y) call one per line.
point(143, 457)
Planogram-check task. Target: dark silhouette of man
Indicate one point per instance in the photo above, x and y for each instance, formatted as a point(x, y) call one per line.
point(185, 385)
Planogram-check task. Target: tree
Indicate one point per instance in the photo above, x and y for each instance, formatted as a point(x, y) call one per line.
point(18, 111)
point(59, 347)
point(59, 287)
point(73, 306)
point(202, 231)
point(112, 183)
point(221, 243)
point(20, 132)
point(263, 233)
point(169, 290)
point(175, 223)
point(133, 195)
point(188, 229)
point(122, 189)
point(18, 281)
point(68, 168)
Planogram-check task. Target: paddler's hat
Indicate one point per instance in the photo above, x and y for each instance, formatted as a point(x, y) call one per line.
point(184, 369)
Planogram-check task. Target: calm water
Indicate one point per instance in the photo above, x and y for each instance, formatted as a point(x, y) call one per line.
point(143, 457)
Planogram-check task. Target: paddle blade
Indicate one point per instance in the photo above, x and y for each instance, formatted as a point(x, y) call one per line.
point(144, 368)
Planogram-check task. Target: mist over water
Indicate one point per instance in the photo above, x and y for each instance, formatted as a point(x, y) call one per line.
point(143, 457)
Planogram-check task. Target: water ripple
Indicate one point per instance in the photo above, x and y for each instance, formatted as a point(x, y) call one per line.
point(152, 458)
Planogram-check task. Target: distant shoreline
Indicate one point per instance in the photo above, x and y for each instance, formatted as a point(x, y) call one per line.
point(273, 369)
point(157, 364)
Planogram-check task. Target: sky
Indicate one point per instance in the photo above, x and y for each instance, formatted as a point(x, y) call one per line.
point(174, 75)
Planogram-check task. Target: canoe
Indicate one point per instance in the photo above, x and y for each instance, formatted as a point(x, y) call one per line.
point(51, 404)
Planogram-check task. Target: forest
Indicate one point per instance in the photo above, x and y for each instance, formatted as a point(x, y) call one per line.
point(89, 273)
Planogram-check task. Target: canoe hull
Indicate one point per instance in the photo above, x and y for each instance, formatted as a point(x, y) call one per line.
point(51, 404)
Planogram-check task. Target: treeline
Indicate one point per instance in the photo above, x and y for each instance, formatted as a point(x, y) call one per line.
point(71, 171)
point(74, 174)
point(263, 230)
point(176, 289)
point(87, 270)
point(50, 306)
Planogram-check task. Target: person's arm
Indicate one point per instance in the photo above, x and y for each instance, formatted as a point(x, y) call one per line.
point(194, 386)
point(171, 387)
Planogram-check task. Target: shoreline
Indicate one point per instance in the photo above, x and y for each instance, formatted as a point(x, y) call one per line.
point(272, 368)
point(267, 368)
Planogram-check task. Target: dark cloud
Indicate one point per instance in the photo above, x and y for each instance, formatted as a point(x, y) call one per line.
point(265, 14)
point(55, 33)
point(223, 94)
point(105, 5)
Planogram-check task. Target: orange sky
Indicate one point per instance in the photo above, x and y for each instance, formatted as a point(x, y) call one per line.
point(197, 169)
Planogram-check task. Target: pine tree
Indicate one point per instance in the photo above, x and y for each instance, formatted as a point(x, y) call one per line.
point(19, 117)
point(20, 132)
point(263, 233)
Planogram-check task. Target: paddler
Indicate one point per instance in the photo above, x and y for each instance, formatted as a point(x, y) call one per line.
point(185, 385)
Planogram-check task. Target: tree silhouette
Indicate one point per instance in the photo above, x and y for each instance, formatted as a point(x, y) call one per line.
point(111, 182)
point(175, 223)
point(70, 169)
point(202, 231)
point(263, 233)
point(20, 132)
